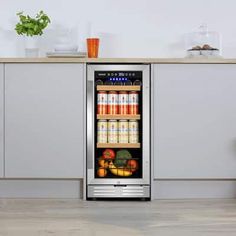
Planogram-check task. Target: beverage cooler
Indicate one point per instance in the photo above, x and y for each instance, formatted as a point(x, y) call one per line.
point(118, 131)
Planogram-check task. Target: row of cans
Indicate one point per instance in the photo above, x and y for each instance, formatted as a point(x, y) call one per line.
point(113, 131)
point(114, 103)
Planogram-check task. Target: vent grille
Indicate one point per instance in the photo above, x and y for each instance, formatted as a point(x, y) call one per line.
point(103, 191)
point(118, 191)
point(133, 191)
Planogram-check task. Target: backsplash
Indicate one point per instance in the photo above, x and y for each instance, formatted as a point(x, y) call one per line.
point(127, 28)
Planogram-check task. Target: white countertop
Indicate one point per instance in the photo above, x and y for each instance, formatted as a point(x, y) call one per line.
point(119, 60)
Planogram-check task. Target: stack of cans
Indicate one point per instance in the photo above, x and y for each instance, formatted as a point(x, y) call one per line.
point(114, 103)
point(113, 131)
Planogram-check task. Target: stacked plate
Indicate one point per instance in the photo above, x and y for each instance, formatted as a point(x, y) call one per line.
point(64, 50)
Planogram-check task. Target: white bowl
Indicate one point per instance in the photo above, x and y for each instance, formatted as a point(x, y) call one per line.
point(193, 53)
point(206, 53)
point(215, 53)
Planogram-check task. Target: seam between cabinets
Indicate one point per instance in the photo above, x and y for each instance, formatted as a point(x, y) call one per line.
point(152, 82)
point(4, 120)
point(82, 188)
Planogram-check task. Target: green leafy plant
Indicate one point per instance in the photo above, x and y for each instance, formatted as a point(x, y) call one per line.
point(32, 26)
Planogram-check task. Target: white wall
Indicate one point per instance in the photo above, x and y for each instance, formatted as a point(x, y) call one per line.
point(127, 28)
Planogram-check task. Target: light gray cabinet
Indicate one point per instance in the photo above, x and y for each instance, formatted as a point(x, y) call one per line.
point(44, 120)
point(194, 121)
point(1, 120)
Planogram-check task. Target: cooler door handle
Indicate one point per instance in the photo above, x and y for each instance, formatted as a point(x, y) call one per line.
point(90, 124)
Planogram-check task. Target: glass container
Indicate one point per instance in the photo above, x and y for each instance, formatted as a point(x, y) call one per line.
point(203, 43)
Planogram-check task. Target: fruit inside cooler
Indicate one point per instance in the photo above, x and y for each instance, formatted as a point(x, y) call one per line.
point(118, 122)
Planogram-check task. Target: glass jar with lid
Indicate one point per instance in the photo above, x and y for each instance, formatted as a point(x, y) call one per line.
point(203, 43)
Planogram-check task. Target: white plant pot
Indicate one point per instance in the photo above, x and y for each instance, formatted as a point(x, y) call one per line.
point(31, 46)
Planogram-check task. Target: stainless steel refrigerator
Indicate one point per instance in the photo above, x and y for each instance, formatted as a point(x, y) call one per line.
point(118, 131)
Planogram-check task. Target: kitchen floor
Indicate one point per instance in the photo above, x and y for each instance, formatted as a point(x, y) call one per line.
point(31, 217)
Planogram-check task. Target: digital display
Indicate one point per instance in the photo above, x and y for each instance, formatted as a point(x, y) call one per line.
point(118, 75)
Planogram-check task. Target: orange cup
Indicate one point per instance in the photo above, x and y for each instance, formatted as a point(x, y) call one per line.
point(92, 47)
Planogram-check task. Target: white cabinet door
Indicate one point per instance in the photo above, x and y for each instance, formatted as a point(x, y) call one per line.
point(44, 120)
point(194, 121)
point(1, 120)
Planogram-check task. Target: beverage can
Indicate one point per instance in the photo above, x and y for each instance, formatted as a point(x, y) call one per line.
point(123, 103)
point(118, 82)
point(112, 131)
point(108, 82)
point(102, 131)
point(133, 103)
point(137, 82)
point(99, 82)
point(127, 82)
point(102, 103)
point(112, 103)
point(123, 129)
point(133, 131)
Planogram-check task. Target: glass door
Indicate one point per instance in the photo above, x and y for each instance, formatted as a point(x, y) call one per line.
point(118, 122)
point(119, 144)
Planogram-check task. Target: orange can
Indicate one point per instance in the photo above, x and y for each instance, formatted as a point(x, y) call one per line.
point(112, 106)
point(102, 103)
point(123, 103)
point(133, 103)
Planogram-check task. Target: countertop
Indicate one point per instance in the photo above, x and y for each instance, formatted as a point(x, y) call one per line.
point(120, 60)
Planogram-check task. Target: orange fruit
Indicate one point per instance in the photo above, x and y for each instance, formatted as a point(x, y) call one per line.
point(103, 163)
point(101, 172)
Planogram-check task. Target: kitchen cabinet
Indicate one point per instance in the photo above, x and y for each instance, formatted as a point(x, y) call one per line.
point(194, 114)
point(44, 122)
point(1, 120)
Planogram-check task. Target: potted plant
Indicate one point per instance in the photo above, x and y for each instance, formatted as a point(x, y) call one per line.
point(31, 28)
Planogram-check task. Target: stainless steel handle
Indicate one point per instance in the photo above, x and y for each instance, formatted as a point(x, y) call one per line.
point(90, 124)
